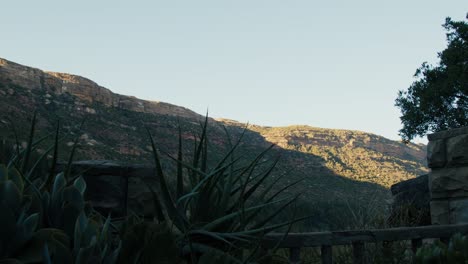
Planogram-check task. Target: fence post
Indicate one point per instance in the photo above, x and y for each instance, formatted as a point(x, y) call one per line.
point(295, 255)
point(445, 240)
point(358, 253)
point(387, 252)
point(415, 244)
point(326, 254)
point(125, 176)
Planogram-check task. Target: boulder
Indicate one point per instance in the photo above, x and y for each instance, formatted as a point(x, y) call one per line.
point(411, 202)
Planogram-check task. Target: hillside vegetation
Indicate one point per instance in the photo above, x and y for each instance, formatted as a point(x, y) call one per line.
point(341, 169)
point(353, 154)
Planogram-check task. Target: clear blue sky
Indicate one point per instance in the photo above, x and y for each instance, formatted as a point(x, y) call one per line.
point(334, 64)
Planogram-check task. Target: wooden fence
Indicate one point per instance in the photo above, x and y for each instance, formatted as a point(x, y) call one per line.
point(326, 240)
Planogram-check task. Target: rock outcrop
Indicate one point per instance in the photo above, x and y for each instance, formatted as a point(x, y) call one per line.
point(31, 78)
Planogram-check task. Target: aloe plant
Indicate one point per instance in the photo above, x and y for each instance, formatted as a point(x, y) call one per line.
point(44, 217)
point(218, 209)
point(455, 252)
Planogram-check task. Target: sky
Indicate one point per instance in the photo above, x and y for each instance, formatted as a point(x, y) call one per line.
point(331, 64)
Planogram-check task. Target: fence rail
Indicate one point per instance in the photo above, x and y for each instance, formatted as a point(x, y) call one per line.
point(326, 240)
point(296, 241)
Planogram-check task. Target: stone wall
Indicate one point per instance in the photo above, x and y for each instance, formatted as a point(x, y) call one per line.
point(447, 156)
point(117, 188)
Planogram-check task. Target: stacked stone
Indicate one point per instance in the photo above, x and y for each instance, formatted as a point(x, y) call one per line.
point(447, 156)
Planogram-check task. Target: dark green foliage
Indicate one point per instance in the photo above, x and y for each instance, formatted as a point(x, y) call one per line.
point(438, 100)
point(148, 242)
point(44, 222)
point(438, 253)
point(216, 211)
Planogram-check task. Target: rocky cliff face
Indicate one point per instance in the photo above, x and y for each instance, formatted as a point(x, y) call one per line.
point(88, 91)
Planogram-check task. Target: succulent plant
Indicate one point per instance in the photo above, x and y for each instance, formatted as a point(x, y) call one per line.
point(455, 252)
point(45, 218)
point(221, 209)
point(21, 237)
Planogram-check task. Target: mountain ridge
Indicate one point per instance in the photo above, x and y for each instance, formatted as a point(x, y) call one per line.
point(303, 138)
point(340, 168)
point(83, 88)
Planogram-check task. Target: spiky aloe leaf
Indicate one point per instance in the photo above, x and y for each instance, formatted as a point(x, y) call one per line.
point(216, 236)
point(54, 157)
point(271, 216)
point(262, 179)
point(268, 229)
point(228, 183)
point(180, 179)
point(204, 158)
point(186, 197)
point(73, 150)
point(30, 142)
point(105, 230)
point(160, 215)
point(44, 155)
point(283, 189)
point(70, 158)
point(248, 170)
point(199, 148)
point(267, 189)
point(264, 193)
point(18, 158)
point(213, 224)
point(167, 201)
point(36, 164)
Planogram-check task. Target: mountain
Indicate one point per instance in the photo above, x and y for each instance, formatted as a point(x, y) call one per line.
point(354, 154)
point(342, 170)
